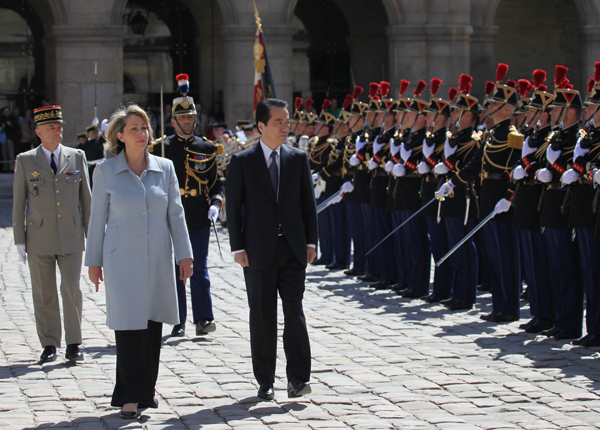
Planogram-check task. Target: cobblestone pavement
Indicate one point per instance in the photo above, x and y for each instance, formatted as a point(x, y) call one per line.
point(379, 362)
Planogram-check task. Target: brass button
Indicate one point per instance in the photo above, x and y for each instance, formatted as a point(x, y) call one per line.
point(56, 179)
point(58, 203)
point(59, 215)
point(57, 191)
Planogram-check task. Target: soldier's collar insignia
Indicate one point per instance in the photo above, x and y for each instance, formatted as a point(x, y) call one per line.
point(35, 174)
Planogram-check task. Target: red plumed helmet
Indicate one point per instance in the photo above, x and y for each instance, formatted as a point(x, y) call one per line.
point(373, 90)
point(559, 75)
point(298, 103)
point(463, 82)
point(591, 83)
point(182, 77)
point(597, 71)
point(326, 104)
point(468, 88)
point(489, 87)
point(403, 86)
point(501, 72)
point(435, 86)
point(511, 83)
point(357, 92)
point(568, 86)
point(539, 77)
point(420, 87)
point(308, 104)
point(564, 83)
point(385, 88)
point(452, 93)
point(524, 87)
point(348, 101)
point(543, 87)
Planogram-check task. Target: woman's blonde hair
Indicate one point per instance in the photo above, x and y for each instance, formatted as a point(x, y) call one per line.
point(117, 125)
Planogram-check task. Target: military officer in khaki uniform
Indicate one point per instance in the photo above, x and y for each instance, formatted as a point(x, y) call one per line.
point(53, 179)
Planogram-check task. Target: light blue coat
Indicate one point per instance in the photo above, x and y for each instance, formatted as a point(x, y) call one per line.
point(135, 225)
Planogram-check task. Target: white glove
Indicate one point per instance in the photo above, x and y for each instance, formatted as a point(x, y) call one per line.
point(552, 155)
point(405, 153)
point(347, 187)
point(103, 125)
point(519, 173)
point(445, 190)
point(423, 168)
point(389, 166)
point(398, 170)
point(569, 177)
point(373, 164)
point(503, 205)
point(394, 149)
point(354, 160)
point(527, 149)
point(544, 175)
point(213, 212)
point(316, 178)
point(596, 179)
point(427, 150)
point(360, 144)
point(441, 169)
point(95, 121)
point(22, 253)
point(337, 199)
point(449, 149)
point(579, 151)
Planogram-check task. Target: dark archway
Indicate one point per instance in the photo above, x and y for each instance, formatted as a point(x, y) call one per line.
point(539, 34)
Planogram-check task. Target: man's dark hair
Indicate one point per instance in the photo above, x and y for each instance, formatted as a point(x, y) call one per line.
point(263, 109)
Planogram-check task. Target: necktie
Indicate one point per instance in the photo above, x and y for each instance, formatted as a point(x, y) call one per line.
point(52, 163)
point(273, 171)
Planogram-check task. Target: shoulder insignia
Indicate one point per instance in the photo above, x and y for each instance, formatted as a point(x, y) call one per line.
point(220, 148)
point(79, 150)
point(476, 135)
point(582, 133)
point(448, 134)
point(515, 139)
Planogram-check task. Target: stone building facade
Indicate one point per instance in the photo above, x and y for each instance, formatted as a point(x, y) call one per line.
point(317, 48)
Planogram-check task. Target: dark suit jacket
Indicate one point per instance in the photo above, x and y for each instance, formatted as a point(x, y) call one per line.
point(253, 212)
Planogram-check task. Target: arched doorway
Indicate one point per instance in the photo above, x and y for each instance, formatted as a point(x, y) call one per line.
point(21, 55)
point(539, 34)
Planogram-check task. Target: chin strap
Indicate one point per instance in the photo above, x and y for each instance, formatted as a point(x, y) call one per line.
point(181, 128)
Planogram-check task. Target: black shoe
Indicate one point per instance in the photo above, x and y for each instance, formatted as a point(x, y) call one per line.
point(502, 318)
point(484, 287)
point(562, 335)
point(581, 339)
point(400, 288)
point(529, 323)
point(551, 331)
point(73, 353)
point(321, 262)
point(594, 340)
point(297, 389)
point(130, 415)
point(265, 391)
point(412, 294)
point(434, 298)
point(368, 278)
point(383, 285)
point(459, 305)
point(204, 327)
point(337, 266)
point(178, 330)
point(48, 355)
point(353, 272)
point(449, 302)
point(487, 317)
point(541, 325)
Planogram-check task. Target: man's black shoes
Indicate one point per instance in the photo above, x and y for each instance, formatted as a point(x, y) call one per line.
point(178, 330)
point(459, 305)
point(73, 353)
point(203, 327)
point(353, 272)
point(336, 265)
point(48, 355)
point(540, 325)
point(296, 388)
point(321, 262)
point(265, 391)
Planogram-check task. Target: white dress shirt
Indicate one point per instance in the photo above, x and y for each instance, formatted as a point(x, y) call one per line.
point(56, 153)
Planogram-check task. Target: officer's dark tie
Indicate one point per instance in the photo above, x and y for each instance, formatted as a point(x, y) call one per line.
point(52, 163)
point(273, 171)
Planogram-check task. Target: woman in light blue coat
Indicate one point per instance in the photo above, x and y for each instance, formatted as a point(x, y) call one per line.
point(136, 226)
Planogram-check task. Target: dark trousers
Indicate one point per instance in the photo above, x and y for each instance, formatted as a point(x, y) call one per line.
point(590, 256)
point(502, 249)
point(285, 275)
point(341, 241)
point(138, 357)
point(418, 252)
point(443, 275)
point(368, 218)
point(383, 255)
point(535, 273)
point(199, 282)
point(464, 260)
point(397, 239)
point(356, 227)
point(565, 281)
point(325, 234)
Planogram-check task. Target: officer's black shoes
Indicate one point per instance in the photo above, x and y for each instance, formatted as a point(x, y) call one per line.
point(502, 318)
point(321, 262)
point(178, 330)
point(449, 302)
point(383, 285)
point(594, 340)
point(337, 266)
point(48, 355)
point(459, 305)
point(412, 294)
point(296, 388)
point(353, 272)
point(434, 298)
point(484, 287)
point(582, 339)
point(529, 323)
point(73, 353)
point(266, 392)
point(369, 278)
point(562, 335)
point(541, 325)
point(487, 317)
point(552, 331)
point(400, 288)
point(203, 327)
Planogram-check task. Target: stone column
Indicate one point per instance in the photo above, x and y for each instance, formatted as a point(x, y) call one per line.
point(448, 54)
point(483, 58)
point(78, 47)
point(590, 51)
point(238, 85)
point(408, 55)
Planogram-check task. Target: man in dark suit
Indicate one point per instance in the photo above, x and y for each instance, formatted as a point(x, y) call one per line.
point(272, 221)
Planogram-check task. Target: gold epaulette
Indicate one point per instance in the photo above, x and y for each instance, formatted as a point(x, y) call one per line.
point(220, 148)
point(515, 139)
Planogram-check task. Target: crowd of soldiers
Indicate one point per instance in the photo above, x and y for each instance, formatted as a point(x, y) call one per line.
point(520, 167)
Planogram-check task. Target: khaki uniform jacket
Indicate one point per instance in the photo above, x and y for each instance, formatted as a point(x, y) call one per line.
point(59, 205)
